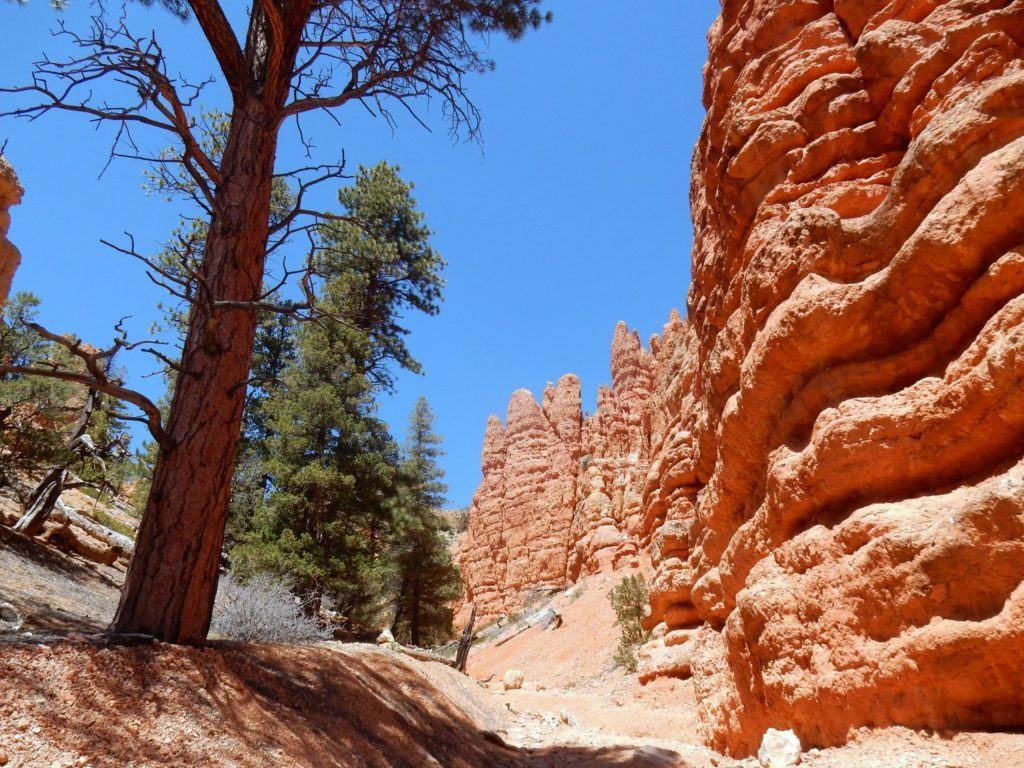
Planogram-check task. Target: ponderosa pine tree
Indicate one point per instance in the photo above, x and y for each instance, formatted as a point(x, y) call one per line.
point(296, 56)
point(428, 580)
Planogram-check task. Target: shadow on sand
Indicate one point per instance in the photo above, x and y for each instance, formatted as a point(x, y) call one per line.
point(254, 706)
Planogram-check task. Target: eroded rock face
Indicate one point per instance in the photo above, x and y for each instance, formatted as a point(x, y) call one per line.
point(607, 522)
point(842, 491)
point(10, 195)
point(825, 460)
point(522, 512)
point(561, 495)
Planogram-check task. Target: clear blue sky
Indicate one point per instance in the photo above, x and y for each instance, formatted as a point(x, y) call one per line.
point(571, 215)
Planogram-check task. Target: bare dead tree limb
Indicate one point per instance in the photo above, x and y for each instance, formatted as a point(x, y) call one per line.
point(137, 63)
point(95, 376)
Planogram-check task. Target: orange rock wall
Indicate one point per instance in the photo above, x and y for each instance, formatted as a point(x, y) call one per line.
point(825, 460)
point(10, 194)
point(843, 496)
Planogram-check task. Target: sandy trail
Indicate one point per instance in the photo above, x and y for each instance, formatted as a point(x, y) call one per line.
point(574, 694)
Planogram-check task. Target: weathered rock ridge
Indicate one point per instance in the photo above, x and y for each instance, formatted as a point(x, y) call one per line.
point(10, 194)
point(561, 493)
point(826, 459)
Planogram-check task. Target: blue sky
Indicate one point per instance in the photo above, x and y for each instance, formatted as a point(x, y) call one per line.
point(571, 215)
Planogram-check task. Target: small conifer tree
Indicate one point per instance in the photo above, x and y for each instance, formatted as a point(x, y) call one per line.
point(629, 601)
point(428, 580)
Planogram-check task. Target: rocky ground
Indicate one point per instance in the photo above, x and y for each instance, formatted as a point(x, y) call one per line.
point(69, 700)
point(573, 694)
point(55, 591)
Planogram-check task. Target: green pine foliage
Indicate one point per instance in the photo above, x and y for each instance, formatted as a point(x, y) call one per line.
point(33, 410)
point(324, 500)
point(428, 580)
point(319, 497)
point(330, 465)
point(381, 265)
point(629, 601)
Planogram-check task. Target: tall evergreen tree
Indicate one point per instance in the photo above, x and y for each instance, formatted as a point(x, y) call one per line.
point(428, 580)
point(332, 466)
point(322, 468)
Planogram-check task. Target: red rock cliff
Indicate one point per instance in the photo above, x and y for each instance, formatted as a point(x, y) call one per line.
point(10, 194)
point(843, 491)
point(826, 459)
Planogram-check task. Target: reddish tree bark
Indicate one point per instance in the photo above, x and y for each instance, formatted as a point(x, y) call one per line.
point(172, 580)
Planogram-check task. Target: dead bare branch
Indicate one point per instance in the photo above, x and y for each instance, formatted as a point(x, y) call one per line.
point(152, 98)
point(96, 375)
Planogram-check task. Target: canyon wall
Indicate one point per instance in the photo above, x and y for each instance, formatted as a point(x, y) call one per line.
point(825, 460)
point(846, 526)
point(10, 194)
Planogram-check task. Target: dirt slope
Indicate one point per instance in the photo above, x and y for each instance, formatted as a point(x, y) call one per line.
point(55, 591)
point(81, 704)
point(330, 705)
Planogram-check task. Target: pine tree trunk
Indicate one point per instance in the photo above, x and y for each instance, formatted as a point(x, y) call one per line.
point(414, 616)
point(172, 580)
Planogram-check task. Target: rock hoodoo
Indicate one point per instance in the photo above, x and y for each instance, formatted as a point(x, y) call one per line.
point(825, 460)
point(560, 495)
point(522, 512)
point(10, 195)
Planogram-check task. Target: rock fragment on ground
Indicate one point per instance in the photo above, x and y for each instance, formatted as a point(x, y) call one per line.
point(513, 680)
point(779, 749)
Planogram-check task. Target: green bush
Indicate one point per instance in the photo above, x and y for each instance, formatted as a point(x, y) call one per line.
point(629, 601)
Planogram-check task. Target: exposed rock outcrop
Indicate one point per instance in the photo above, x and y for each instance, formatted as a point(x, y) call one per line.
point(561, 494)
point(842, 494)
point(826, 459)
point(608, 514)
point(522, 512)
point(10, 195)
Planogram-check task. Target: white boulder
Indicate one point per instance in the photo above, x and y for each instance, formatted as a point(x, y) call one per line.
point(779, 749)
point(513, 680)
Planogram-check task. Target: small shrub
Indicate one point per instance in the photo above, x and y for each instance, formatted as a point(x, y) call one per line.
point(629, 601)
point(262, 609)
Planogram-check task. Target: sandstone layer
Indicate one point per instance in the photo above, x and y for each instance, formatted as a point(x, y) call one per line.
point(10, 194)
point(830, 469)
